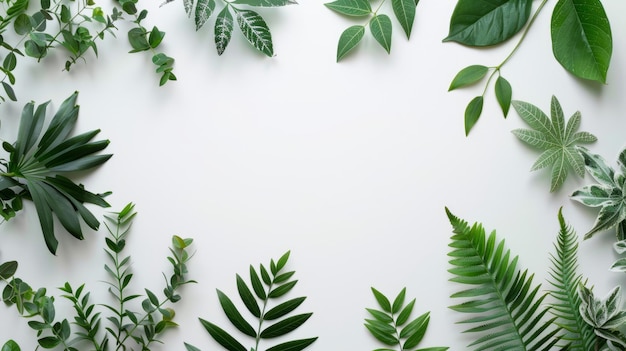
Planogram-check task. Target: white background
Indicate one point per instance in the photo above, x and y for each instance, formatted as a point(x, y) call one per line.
point(348, 165)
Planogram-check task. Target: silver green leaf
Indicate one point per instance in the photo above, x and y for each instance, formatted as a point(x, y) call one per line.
point(256, 31)
point(204, 10)
point(265, 3)
point(223, 30)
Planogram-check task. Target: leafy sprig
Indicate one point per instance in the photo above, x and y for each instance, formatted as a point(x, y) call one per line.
point(606, 316)
point(558, 140)
point(390, 325)
point(380, 24)
point(37, 165)
point(125, 327)
point(608, 194)
point(580, 33)
point(250, 22)
point(267, 287)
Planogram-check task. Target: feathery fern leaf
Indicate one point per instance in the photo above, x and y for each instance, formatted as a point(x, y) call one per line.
point(504, 304)
point(578, 334)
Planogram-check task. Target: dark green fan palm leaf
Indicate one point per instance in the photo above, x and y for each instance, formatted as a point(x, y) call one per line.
point(37, 164)
point(576, 333)
point(505, 307)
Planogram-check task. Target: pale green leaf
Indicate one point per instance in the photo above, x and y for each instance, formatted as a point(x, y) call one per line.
point(349, 39)
point(380, 26)
point(504, 93)
point(356, 8)
point(265, 3)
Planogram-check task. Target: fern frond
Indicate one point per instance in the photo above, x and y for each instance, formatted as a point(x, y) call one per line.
point(565, 281)
point(506, 307)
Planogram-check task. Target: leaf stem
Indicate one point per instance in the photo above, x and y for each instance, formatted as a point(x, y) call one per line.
point(258, 333)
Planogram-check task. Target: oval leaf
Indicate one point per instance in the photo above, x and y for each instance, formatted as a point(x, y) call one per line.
point(472, 113)
point(356, 8)
point(349, 39)
point(504, 93)
point(256, 31)
point(380, 26)
point(285, 326)
point(468, 75)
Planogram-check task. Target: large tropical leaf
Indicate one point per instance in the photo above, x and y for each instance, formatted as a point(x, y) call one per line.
point(565, 280)
point(37, 164)
point(504, 305)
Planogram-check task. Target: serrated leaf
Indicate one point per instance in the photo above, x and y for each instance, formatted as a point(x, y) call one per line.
point(404, 11)
point(285, 326)
point(234, 316)
point(204, 10)
point(473, 112)
point(504, 93)
point(557, 139)
point(468, 76)
point(349, 39)
point(355, 8)
point(222, 337)
point(256, 31)
point(581, 38)
point(380, 26)
point(489, 23)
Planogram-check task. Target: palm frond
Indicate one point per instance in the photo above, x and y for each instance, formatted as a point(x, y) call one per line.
point(565, 281)
point(505, 307)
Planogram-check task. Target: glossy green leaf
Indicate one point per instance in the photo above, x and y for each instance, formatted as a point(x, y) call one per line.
point(504, 93)
point(404, 11)
point(381, 28)
point(415, 331)
point(382, 300)
point(223, 30)
point(356, 8)
point(283, 308)
point(204, 10)
point(349, 39)
point(22, 24)
point(234, 316)
point(295, 345)
point(282, 261)
point(282, 290)
point(255, 29)
point(155, 37)
point(247, 297)
point(473, 112)
point(468, 76)
point(10, 346)
point(379, 315)
point(49, 342)
point(398, 302)
point(381, 333)
point(8, 269)
point(285, 326)
point(487, 22)
point(404, 315)
point(257, 286)
point(581, 38)
point(222, 337)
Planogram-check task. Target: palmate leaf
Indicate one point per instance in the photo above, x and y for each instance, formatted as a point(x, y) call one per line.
point(392, 328)
point(503, 302)
point(565, 281)
point(37, 164)
point(608, 194)
point(266, 286)
point(487, 22)
point(581, 38)
point(558, 140)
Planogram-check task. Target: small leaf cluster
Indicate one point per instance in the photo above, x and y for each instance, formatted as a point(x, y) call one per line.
point(390, 324)
point(267, 286)
point(580, 33)
point(36, 166)
point(558, 140)
point(141, 39)
point(251, 24)
point(125, 327)
point(609, 194)
point(606, 316)
point(380, 24)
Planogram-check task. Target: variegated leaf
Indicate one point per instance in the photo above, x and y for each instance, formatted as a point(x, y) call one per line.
point(266, 3)
point(223, 30)
point(256, 31)
point(597, 167)
point(595, 196)
point(204, 10)
point(188, 4)
point(609, 217)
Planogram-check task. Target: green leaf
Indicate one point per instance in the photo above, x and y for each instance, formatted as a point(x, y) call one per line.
point(49, 342)
point(355, 8)
point(222, 337)
point(487, 23)
point(137, 37)
point(404, 315)
point(398, 302)
point(156, 37)
point(255, 29)
point(204, 10)
point(556, 139)
point(349, 39)
point(295, 345)
point(468, 76)
point(283, 308)
point(22, 25)
point(381, 316)
point(405, 13)
point(8, 89)
point(282, 290)
point(504, 93)
point(265, 3)
point(247, 297)
point(8, 269)
point(382, 300)
point(415, 331)
point(380, 332)
point(472, 113)
point(581, 38)
point(190, 347)
point(285, 326)
point(282, 261)
point(223, 30)
point(10, 346)
point(257, 286)
point(380, 26)
point(234, 316)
